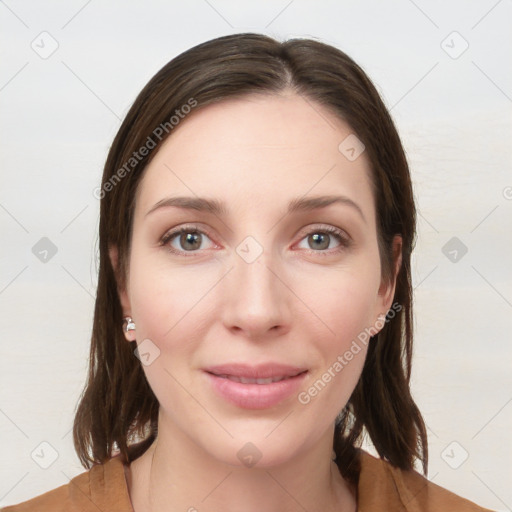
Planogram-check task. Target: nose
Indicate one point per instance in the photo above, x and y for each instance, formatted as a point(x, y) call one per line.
point(257, 301)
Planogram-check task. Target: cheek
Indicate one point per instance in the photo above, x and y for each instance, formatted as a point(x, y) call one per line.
point(161, 311)
point(346, 314)
point(343, 302)
point(166, 306)
point(164, 299)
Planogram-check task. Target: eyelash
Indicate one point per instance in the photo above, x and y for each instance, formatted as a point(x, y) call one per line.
point(343, 240)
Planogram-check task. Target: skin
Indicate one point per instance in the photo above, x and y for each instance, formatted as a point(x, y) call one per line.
point(296, 304)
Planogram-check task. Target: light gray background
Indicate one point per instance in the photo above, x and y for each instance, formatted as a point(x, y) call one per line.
point(452, 109)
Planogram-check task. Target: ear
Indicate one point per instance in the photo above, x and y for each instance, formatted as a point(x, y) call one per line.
point(121, 290)
point(387, 289)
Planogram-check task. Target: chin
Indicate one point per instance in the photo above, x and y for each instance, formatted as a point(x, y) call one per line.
point(258, 450)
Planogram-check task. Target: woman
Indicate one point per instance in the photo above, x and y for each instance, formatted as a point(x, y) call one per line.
point(254, 309)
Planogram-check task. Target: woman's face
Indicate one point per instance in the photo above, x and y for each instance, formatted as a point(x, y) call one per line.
point(264, 284)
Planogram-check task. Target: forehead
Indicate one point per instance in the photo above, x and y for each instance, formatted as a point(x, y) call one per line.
point(262, 148)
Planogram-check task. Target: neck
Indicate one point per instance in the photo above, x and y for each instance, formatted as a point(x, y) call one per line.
point(175, 474)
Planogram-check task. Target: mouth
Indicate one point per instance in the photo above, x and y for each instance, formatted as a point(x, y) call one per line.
point(255, 387)
point(264, 373)
point(245, 380)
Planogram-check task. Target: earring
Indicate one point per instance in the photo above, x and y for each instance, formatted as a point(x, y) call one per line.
point(128, 324)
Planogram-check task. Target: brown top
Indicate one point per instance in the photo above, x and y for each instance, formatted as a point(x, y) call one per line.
point(381, 488)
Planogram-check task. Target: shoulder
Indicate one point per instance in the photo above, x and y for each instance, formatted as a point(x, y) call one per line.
point(381, 483)
point(103, 487)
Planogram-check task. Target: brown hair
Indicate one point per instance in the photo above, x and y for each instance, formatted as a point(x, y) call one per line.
point(118, 406)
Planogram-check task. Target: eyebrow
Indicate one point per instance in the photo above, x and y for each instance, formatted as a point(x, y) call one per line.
point(216, 207)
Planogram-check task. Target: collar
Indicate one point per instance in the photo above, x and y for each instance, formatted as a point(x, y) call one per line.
point(381, 487)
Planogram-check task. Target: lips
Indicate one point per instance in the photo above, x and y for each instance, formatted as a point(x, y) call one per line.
point(255, 387)
point(262, 372)
point(245, 380)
